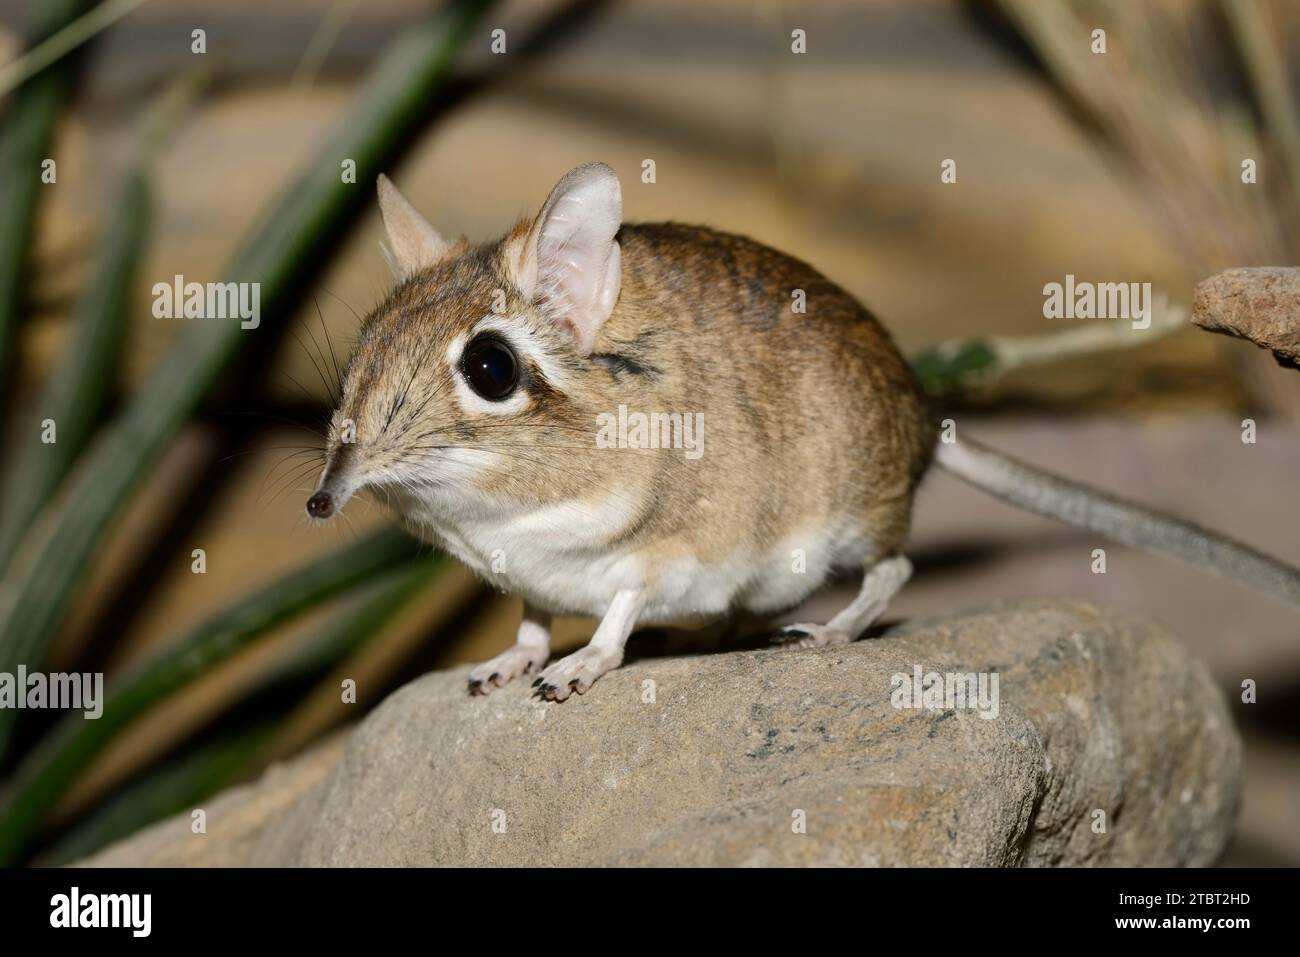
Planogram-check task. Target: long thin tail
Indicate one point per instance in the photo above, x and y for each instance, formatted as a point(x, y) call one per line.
point(1116, 519)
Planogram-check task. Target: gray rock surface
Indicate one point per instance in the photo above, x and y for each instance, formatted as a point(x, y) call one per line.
point(1095, 715)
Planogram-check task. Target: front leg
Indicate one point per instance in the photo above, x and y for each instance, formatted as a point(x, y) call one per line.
point(531, 648)
point(578, 671)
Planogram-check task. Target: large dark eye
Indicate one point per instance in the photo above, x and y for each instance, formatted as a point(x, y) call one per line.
point(490, 368)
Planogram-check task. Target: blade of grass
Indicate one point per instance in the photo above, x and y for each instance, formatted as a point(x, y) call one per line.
point(1257, 48)
point(61, 756)
point(233, 753)
point(322, 41)
point(28, 132)
point(75, 396)
point(63, 42)
point(353, 626)
point(298, 230)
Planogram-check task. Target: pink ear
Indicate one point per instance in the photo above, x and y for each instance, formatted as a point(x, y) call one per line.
point(570, 261)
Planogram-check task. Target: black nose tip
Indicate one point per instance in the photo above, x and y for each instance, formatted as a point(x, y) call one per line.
point(320, 505)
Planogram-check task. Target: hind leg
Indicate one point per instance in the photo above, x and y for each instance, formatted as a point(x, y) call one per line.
point(881, 583)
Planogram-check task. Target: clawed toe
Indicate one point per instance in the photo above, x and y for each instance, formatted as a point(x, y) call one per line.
point(505, 667)
point(576, 673)
point(808, 636)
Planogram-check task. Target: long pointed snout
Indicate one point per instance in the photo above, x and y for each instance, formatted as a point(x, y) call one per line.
point(332, 491)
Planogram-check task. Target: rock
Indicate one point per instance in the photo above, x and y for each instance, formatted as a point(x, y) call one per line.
point(1260, 304)
point(1098, 721)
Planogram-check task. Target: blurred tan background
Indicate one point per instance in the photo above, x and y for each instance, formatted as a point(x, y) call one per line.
point(832, 156)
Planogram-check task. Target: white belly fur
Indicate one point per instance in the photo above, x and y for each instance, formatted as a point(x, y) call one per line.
point(555, 558)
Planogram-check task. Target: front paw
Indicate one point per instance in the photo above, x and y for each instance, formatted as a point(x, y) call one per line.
point(511, 663)
point(576, 672)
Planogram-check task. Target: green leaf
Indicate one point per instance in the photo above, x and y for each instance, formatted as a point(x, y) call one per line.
point(74, 399)
point(946, 368)
point(230, 754)
point(296, 233)
point(61, 756)
point(28, 133)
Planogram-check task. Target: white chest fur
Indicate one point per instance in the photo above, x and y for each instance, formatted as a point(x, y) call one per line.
point(555, 556)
